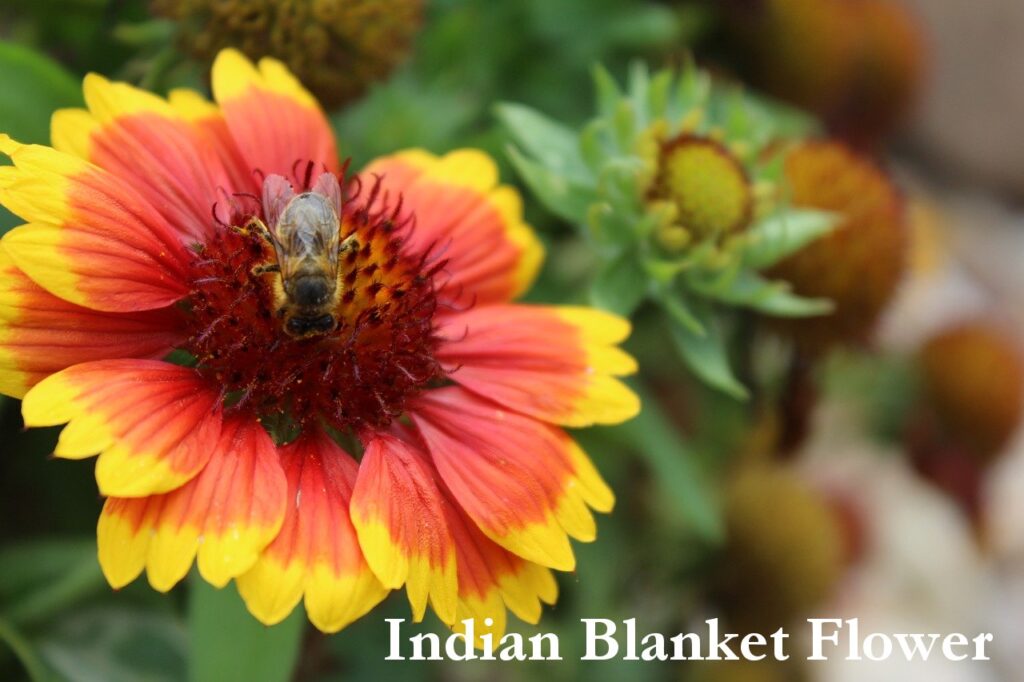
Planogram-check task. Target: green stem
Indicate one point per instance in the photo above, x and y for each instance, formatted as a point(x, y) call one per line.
point(675, 466)
point(24, 652)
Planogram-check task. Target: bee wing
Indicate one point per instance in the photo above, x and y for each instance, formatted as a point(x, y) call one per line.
point(327, 186)
point(329, 231)
point(307, 237)
point(277, 192)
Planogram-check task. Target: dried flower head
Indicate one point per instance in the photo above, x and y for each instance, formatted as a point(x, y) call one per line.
point(857, 266)
point(784, 551)
point(857, 63)
point(973, 378)
point(336, 47)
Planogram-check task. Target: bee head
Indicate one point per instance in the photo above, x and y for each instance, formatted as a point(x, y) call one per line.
point(310, 326)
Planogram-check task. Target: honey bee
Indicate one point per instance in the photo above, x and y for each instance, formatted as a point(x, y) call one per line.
point(305, 231)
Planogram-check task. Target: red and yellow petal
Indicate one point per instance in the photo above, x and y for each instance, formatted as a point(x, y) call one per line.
point(152, 423)
point(461, 212)
point(316, 553)
point(555, 364)
point(146, 143)
point(273, 119)
point(91, 239)
point(223, 518)
point(212, 128)
point(41, 334)
point(525, 484)
point(398, 513)
point(492, 579)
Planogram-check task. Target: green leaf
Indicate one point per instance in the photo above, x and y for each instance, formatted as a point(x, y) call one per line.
point(227, 644)
point(624, 123)
point(785, 233)
point(608, 92)
point(676, 470)
point(28, 565)
point(680, 313)
point(550, 143)
point(639, 86)
point(706, 355)
point(44, 578)
point(749, 290)
point(33, 86)
point(565, 198)
point(692, 91)
point(620, 286)
point(597, 144)
point(658, 93)
point(116, 645)
point(611, 230)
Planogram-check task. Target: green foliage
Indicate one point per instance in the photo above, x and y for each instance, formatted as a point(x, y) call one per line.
point(477, 52)
point(41, 85)
point(598, 179)
point(228, 645)
point(682, 484)
point(106, 644)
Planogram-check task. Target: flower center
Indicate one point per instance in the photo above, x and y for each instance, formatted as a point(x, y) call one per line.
point(706, 184)
point(354, 373)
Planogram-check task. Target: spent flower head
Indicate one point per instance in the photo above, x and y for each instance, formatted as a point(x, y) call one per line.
point(860, 264)
point(858, 64)
point(337, 48)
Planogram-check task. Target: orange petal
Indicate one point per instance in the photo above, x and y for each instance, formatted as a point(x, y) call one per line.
point(316, 553)
point(398, 514)
point(524, 483)
point(466, 217)
point(273, 119)
point(41, 334)
point(212, 128)
point(492, 579)
point(144, 141)
point(92, 239)
point(555, 364)
point(151, 422)
point(226, 515)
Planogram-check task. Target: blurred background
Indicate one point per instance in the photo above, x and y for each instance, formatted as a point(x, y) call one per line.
point(876, 477)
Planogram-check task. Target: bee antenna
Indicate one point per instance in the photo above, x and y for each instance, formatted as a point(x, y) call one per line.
point(259, 175)
point(345, 165)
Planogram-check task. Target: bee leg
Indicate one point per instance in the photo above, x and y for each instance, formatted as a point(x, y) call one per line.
point(265, 269)
point(349, 244)
point(255, 225)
